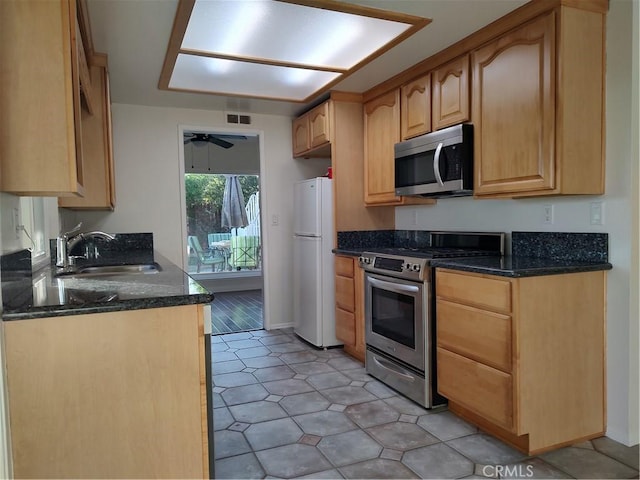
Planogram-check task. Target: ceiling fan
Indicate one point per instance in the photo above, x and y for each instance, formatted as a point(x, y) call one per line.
point(203, 138)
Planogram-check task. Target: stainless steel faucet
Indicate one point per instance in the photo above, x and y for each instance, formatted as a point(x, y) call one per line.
point(65, 243)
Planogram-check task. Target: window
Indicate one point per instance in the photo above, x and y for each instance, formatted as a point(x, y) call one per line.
point(33, 223)
point(223, 223)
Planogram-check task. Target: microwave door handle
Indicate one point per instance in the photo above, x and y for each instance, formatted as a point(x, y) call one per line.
point(436, 164)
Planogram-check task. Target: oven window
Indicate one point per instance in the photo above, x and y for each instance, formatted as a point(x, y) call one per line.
point(392, 316)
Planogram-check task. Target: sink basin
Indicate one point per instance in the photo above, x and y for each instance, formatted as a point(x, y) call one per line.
point(102, 270)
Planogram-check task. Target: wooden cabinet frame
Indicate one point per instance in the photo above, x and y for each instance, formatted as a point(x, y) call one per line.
point(550, 390)
point(40, 147)
point(109, 395)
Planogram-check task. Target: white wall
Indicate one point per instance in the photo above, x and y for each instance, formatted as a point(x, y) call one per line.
point(146, 145)
point(572, 215)
point(634, 330)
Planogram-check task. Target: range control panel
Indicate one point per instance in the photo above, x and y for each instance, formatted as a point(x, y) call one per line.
point(402, 267)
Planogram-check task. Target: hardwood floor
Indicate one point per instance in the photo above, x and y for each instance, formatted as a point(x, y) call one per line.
point(236, 312)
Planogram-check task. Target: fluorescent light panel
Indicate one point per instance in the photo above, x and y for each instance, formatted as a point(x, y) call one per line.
point(275, 49)
point(286, 32)
point(205, 74)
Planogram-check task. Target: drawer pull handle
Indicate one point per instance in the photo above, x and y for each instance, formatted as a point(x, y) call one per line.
point(393, 369)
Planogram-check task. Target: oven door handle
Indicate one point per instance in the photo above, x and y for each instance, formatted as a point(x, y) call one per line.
point(436, 164)
point(394, 287)
point(393, 369)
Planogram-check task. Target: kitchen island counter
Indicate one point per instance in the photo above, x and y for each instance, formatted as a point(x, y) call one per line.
point(46, 295)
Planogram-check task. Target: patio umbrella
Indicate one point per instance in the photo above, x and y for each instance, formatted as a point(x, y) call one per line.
point(233, 211)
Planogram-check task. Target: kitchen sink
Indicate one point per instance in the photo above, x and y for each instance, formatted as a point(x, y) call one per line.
point(102, 270)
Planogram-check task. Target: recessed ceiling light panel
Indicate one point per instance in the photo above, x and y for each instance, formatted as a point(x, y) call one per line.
point(280, 49)
point(203, 74)
point(286, 32)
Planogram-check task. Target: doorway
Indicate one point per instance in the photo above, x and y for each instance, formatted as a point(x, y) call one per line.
point(221, 227)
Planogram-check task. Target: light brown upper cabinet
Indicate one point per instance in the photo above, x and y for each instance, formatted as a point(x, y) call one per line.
point(450, 86)
point(335, 128)
point(40, 135)
point(415, 107)
point(381, 133)
point(312, 133)
point(538, 107)
point(99, 184)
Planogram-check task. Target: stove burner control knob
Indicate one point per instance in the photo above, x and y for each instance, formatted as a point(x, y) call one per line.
point(415, 267)
point(364, 260)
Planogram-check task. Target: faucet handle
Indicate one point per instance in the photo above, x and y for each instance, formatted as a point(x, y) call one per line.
point(73, 230)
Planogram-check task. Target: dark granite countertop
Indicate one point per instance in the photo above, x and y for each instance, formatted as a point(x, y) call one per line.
point(519, 266)
point(534, 253)
point(350, 252)
point(45, 295)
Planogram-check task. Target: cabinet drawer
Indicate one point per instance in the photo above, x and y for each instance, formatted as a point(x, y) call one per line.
point(477, 334)
point(344, 266)
point(345, 294)
point(482, 292)
point(346, 327)
point(482, 389)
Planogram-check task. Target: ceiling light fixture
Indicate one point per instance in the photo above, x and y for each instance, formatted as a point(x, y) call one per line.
point(290, 50)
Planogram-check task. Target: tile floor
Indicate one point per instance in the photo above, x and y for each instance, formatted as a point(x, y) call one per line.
point(236, 311)
point(284, 409)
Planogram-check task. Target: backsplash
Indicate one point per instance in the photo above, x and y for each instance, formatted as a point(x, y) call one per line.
point(383, 239)
point(119, 250)
point(366, 238)
point(592, 247)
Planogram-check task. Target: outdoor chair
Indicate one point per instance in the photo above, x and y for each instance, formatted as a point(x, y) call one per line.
point(218, 237)
point(205, 257)
point(245, 252)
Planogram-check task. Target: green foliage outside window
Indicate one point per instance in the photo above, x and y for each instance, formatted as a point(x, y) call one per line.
point(204, 194)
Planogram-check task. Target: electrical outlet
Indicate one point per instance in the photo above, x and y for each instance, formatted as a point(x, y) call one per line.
point(548, 215)
point(15, 220)
point(414, 218)
point(596, 213)
point(275, 220)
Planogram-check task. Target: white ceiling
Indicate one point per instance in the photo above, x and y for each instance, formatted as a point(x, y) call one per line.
point(135, 33)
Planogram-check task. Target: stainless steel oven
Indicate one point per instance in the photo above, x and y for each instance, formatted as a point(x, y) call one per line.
point(396, 312)
point(398, 333)
point(400, 323)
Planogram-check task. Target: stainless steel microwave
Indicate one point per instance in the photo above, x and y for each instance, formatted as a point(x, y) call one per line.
point(437, 164)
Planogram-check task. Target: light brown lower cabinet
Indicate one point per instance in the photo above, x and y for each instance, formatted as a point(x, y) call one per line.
point(350, 306)
point(109, 395)
point(524, 358)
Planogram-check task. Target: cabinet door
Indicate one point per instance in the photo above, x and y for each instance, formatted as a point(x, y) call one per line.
point(319, 125)
point(300, 135)
point(81, 405)
point(382, 132)
point(451, 93)
point(99, 189)
point(415, 107)
point(40, 146)
point(513, 110)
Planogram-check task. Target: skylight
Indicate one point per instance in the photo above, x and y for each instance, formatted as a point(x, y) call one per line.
point(288, 50)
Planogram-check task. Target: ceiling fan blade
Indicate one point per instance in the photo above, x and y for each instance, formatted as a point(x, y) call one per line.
point(220, 142)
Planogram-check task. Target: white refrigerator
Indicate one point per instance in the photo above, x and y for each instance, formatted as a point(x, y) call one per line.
point(313, 263)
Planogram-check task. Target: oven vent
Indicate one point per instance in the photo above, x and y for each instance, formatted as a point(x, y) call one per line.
point(238, 119)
